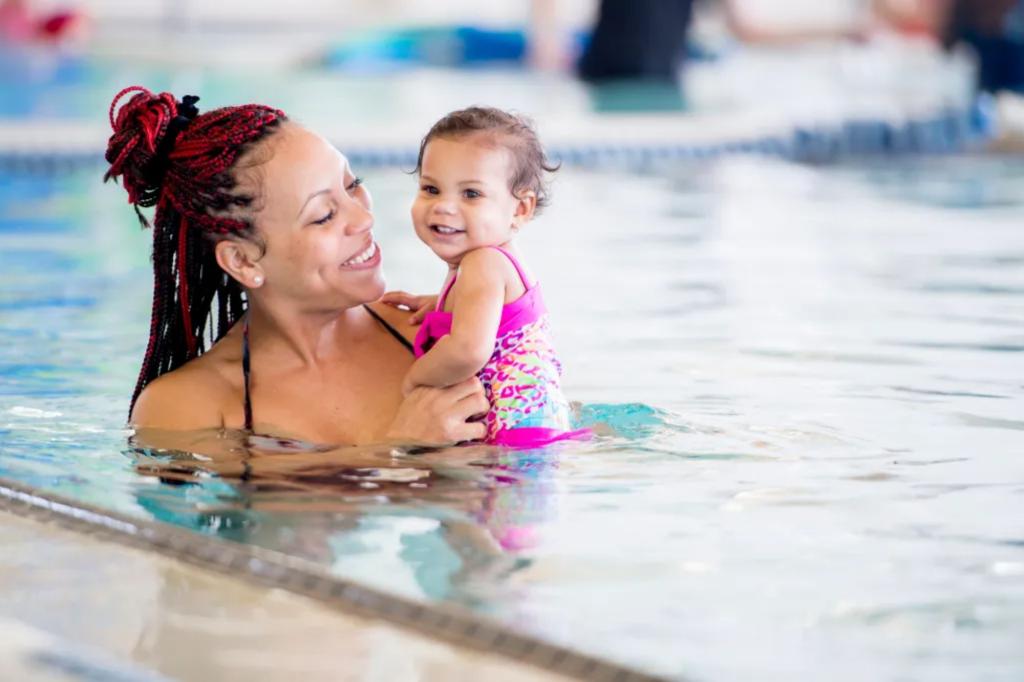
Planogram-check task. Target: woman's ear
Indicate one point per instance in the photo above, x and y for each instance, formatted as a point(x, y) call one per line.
point(526, 204)
point(239, 259)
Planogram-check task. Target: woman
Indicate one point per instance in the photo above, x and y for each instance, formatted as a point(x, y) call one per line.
point(263, 248)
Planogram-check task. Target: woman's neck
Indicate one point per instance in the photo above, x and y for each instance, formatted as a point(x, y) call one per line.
point(305, 338)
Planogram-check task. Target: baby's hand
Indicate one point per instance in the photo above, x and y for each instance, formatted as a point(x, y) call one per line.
point(419, 305)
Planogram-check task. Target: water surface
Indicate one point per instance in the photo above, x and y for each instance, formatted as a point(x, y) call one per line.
point(814, 373)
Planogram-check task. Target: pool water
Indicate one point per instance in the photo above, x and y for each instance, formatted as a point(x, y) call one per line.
point(811, 376)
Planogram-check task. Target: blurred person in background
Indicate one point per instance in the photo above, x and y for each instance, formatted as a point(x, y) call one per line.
point(637, 47)
point(637, 39)
point(992, 29)
point(21, 23)
point(647, 39)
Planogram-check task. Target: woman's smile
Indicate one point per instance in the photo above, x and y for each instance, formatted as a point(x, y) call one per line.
point(365, 259)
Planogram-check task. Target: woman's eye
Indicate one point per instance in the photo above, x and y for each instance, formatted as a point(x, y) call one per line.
point(326, 219)
point(354, 184)
point(472, 194)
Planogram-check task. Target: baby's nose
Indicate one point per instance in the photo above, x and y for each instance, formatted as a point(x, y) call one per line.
point(445, 207)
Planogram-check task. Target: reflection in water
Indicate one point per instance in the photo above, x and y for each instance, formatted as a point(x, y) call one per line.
point(481, 506)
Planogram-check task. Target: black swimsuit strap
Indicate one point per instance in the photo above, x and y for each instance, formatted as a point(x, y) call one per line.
point(247, 369)
point(394, 332)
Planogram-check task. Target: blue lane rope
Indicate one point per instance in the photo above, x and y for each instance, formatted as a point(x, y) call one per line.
point(946, 132)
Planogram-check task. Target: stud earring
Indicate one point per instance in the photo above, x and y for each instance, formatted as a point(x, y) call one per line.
point(258, 280)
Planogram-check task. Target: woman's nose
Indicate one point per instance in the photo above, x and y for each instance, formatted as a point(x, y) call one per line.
point(358, 218)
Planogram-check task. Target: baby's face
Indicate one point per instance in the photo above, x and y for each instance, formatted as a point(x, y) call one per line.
point(464, 201)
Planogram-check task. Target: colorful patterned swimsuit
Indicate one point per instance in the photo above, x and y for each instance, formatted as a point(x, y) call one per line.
point(522, 379)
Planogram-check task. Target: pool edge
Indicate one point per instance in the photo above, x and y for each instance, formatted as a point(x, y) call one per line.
point(268, 568)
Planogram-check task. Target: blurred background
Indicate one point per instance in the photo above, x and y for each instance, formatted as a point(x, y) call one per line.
point(752, 68)
point(784, 263)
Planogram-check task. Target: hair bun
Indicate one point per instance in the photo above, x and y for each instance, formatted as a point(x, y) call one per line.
point(139, 125)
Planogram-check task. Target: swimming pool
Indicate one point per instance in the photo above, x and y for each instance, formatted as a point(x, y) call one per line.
point(814, 372)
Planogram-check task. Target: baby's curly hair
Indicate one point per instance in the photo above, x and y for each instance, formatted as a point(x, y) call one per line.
point(511, 131)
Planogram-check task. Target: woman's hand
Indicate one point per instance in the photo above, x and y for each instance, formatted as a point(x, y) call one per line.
point(419, 305)
point(440, 416)
point(408, 386)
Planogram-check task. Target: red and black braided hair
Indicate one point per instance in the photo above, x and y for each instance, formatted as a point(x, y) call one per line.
point(169, 156)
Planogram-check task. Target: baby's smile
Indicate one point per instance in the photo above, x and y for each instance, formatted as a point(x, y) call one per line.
point(445, 229)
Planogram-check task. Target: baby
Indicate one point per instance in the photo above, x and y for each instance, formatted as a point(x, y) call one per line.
point(481, 179)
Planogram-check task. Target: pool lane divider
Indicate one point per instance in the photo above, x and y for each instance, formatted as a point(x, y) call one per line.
point(277, 570)
point(36, 149)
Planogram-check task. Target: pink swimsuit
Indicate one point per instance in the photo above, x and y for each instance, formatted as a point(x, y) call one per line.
point(522, 379)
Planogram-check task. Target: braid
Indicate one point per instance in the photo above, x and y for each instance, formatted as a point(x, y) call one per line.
point(193, 190)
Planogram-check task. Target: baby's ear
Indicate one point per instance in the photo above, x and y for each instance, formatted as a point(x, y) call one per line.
point(526, 204)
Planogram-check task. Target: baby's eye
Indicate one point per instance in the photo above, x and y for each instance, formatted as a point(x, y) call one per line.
point(326, 219)
point(430, 189)
point(354, 185)
point(472, 194)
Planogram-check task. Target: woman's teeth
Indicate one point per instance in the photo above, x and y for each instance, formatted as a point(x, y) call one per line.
point(364, 256)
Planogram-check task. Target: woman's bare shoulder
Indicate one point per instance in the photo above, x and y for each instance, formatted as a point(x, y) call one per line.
point(398, 319)
point(194, 396)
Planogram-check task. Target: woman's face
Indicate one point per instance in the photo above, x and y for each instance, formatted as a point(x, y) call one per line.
point(315, 218)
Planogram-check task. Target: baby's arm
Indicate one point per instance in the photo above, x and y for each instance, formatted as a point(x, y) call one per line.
point(479, 296)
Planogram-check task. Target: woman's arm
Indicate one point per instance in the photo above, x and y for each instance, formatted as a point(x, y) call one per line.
point(476, 315)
